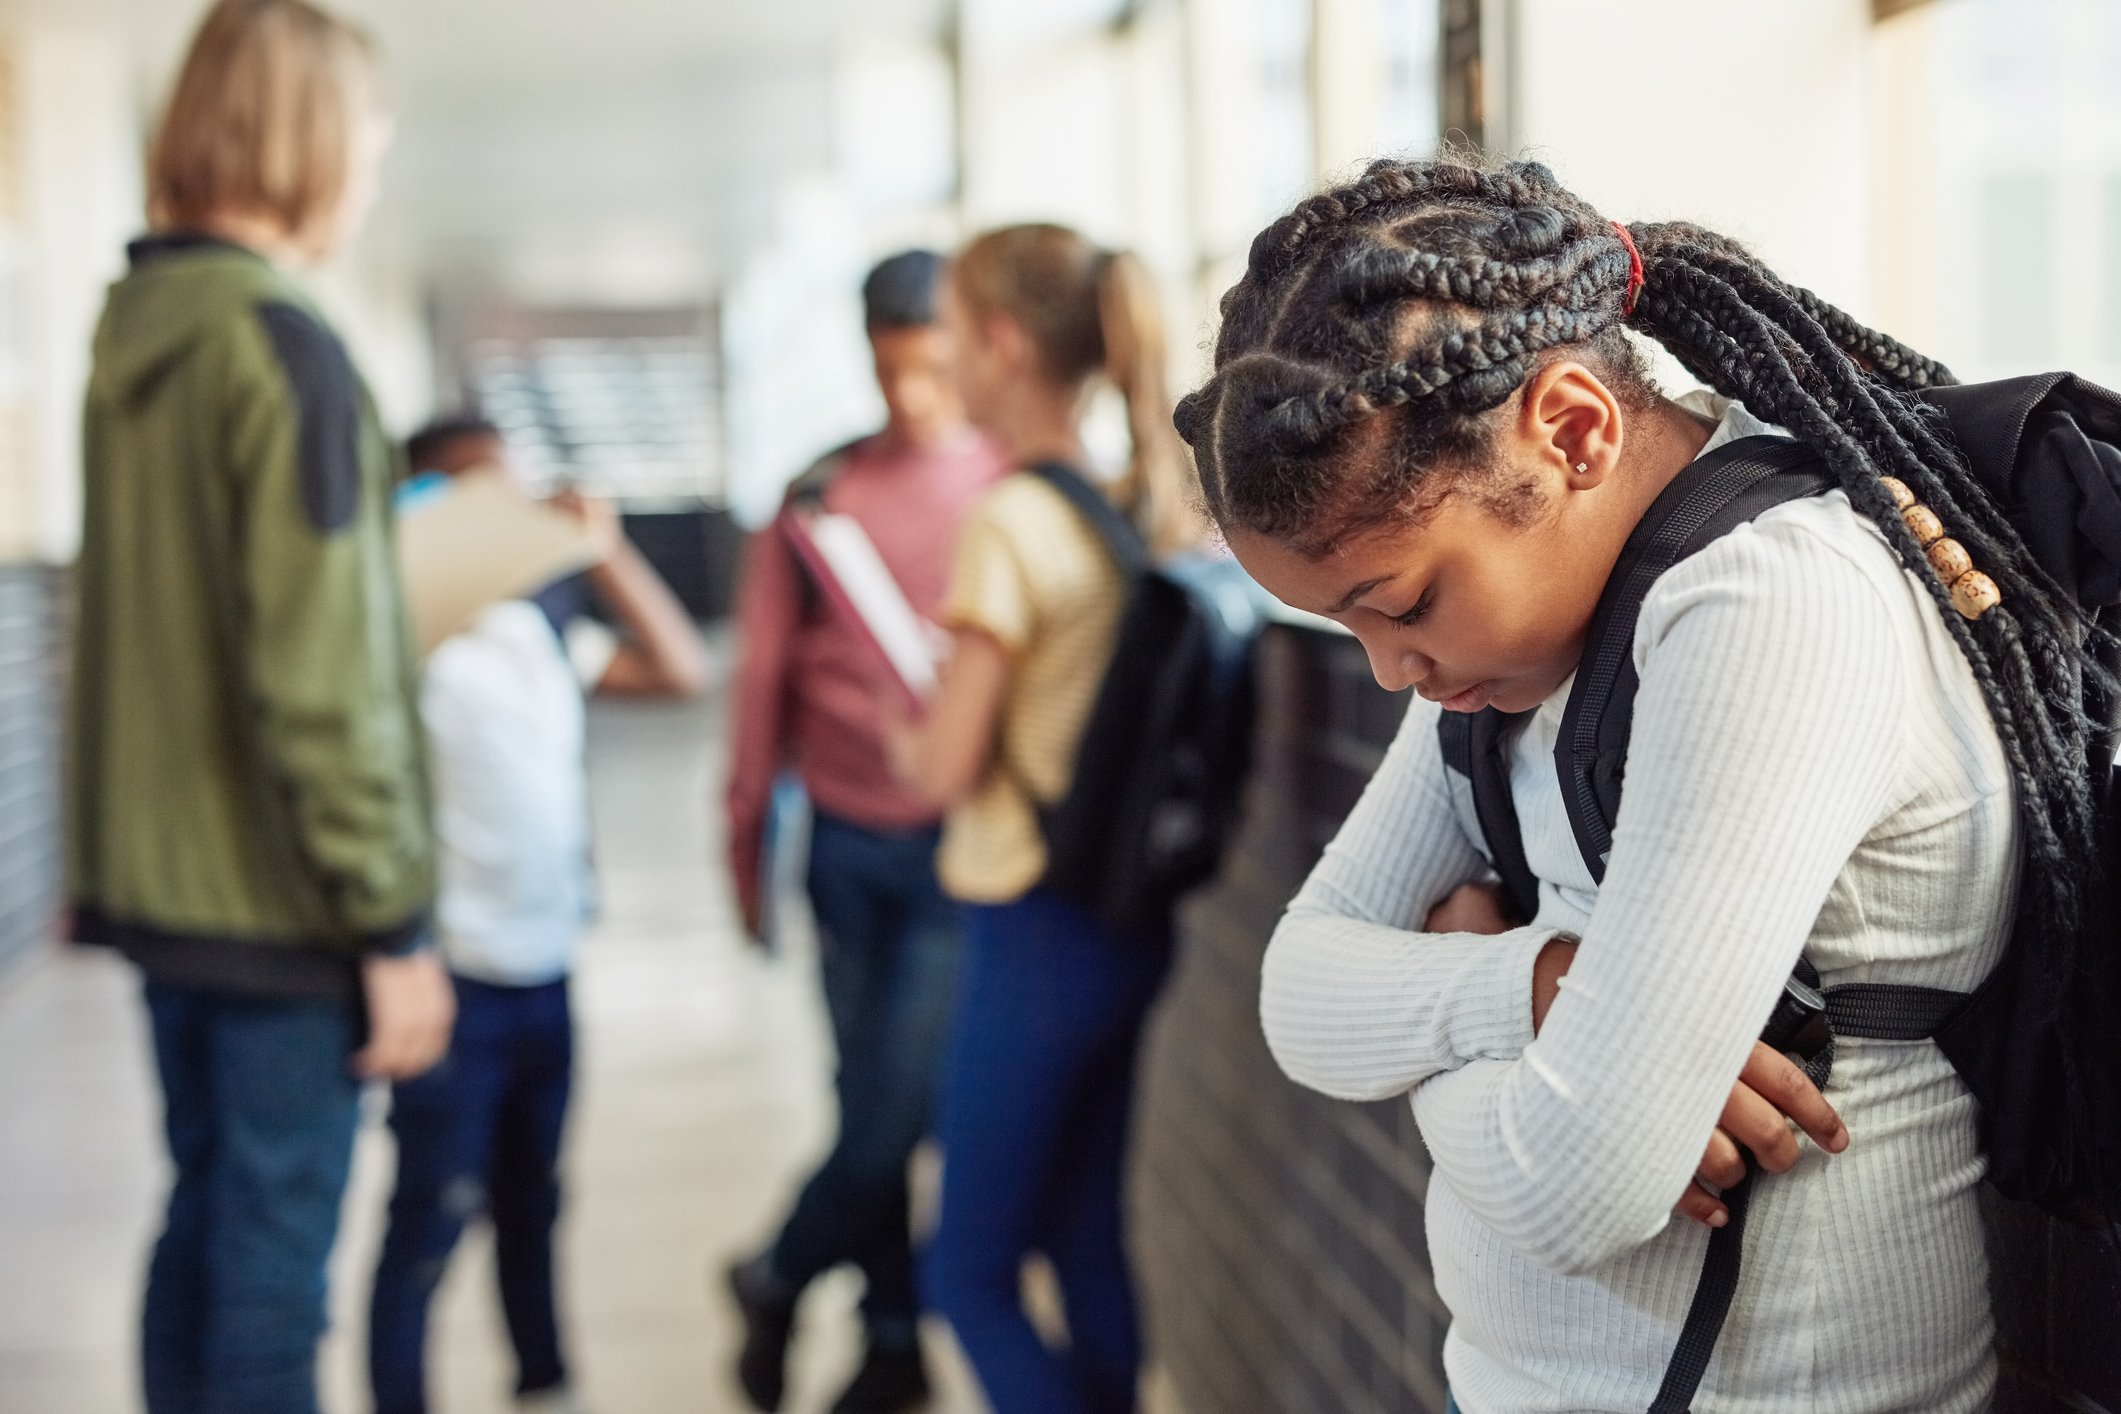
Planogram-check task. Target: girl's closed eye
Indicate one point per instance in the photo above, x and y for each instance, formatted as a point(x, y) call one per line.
point(1421, 607)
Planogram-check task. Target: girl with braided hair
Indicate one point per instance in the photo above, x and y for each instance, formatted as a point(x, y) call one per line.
point(1426, 422)
point(1039, 1076)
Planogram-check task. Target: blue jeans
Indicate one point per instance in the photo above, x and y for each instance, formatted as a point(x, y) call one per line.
point(260, 1113)
point(888, 941)
point(1040, 1086)
point(478, 1133)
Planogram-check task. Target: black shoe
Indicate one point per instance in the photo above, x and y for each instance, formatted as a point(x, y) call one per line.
point(768, 1309)
point(889, 1382)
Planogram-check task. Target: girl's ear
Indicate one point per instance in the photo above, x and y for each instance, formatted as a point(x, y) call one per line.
point(1009, 345)
point(1571, 425)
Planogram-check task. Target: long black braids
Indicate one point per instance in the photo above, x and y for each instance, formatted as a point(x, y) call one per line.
point(1737, 327)
point(1375, 325)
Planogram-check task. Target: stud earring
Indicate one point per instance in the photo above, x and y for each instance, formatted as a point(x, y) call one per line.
point(1582, 467)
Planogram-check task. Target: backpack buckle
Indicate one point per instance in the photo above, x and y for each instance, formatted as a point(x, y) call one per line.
point(1798, 1024)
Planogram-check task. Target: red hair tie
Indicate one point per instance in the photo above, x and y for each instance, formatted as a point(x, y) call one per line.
point(1635, 280)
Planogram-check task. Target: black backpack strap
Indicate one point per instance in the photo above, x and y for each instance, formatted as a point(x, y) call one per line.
point(1873, 1010)
point(808, 489)
point(1726, 488)
point(1130, 554)
point(1477, 746)
point(1712, 1302)
point(1710, 497)
point(1122, 541)
point(1713, 495)
point(807, 492)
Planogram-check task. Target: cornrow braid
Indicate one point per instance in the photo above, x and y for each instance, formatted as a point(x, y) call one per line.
point(1428, 292)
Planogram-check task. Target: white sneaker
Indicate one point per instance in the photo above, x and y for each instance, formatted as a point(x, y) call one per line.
point(557, 1400)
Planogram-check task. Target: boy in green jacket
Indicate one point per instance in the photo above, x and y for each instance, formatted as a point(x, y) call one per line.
point(248, 805)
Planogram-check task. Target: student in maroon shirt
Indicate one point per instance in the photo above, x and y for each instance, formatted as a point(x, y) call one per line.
point(806, 697)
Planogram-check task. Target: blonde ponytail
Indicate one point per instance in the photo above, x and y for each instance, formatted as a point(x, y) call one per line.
point(1131, 319)
point(1086, 312)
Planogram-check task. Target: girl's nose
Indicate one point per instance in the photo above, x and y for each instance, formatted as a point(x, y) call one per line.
point(1395, 665)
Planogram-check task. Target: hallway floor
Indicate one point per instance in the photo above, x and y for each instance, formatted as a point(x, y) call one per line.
point(703, 1096)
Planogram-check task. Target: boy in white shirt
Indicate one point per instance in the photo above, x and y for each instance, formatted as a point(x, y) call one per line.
point(502, 702)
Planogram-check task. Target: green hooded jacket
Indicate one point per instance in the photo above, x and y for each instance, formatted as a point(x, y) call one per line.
point(246, 770)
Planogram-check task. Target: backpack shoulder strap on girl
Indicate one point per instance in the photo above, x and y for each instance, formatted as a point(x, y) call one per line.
point(1476, 754)
point(1712, 496)
point(2048, 448)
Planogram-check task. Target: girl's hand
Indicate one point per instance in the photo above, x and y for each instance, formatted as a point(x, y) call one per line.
point(597, 517)
point(941, 757)
point(412, 1008)
point(1479, 908)
point(1471, 908)
point(1771, 1091)
point(1548, 969)
point(902, 735)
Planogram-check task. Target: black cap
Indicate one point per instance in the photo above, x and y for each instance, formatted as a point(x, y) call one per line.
point(900, 292)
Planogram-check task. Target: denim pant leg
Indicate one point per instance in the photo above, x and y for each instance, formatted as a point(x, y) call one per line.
point(443, 1122)
point(262, 1113)
point(1034, 1114)
point(525, 1181)
point(896, 1075)
point(1084, 1237)
point(174, 1318)
point(889, 944)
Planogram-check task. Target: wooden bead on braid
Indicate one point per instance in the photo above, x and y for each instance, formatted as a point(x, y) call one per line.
point(1924, 523)
point(1949, 559)
point(1973, 593)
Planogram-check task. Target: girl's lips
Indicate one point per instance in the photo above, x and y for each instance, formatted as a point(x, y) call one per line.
point(1471, 700)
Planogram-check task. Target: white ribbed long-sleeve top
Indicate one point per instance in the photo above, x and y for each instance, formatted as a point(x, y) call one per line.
point(1812, 770)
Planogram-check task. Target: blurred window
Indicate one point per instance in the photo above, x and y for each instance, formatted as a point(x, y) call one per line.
point(1999, 224)
point(632, 419)
point(1284, 121)
point(1411, 32)
point(2110, 263)
point(2018, 230)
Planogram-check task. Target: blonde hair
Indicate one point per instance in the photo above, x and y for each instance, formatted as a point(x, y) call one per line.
point(263, 118)
point(1088, 311)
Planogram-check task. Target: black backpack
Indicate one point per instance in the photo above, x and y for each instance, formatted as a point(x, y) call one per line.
point(2045, 447)
point(1160, 768)
point(1161, 764)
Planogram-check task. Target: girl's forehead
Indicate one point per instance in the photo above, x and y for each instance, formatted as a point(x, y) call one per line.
point(1326, 583)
